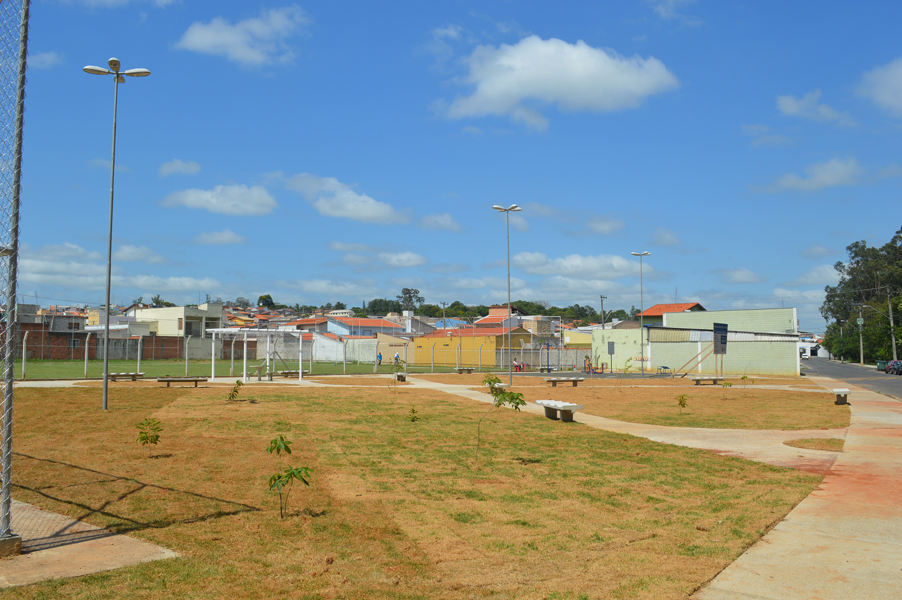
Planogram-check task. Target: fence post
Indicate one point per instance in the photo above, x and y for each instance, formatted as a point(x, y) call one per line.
point(140, 348)
point(300, 356)
point(232, 368)
point(213, 357)
point(433, 356)
point(480, 355)
point(344, 357)
point(24, 352)
point(87, 347)
point(244, 358)
point(187, 341)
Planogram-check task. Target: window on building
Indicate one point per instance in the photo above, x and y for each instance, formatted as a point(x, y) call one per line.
point(73, 325)
point(73, 344)
point(181, 324)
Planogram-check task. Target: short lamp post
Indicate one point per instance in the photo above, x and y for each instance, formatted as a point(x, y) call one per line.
point(507, 214)
point(641, 255)
point(117, 79)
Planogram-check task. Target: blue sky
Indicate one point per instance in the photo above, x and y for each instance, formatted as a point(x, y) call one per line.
point(339, 151)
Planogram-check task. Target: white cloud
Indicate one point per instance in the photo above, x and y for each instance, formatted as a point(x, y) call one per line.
point(665, 238)
point(604, 225)
point(401, 260)
point(668, 10)
point(129, 253)
point(816, 251)
point(472, 130)
point(440, 221)
point(807, 107)
point(219, 238)
point(740, 275)
point(235, 199)
point(604, 266)
point(345, 247)
point(575, 77)
point(765, 136)
point(252, 42)
point(883, 86)
point(519, 223)
point(69, 265)
point(104, 163)
point(833, 173)
point(476, 283)
point(821, 275)
point(178, 166)
point(543, 210)
point(332, 198)
point(45, 60)
point(439, 46)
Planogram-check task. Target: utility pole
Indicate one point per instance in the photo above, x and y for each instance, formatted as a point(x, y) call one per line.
point(444, 322)
point(860, 336)
point(892, 325)
point(602, 311)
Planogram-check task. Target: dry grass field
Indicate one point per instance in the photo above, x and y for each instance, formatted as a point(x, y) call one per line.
point(397, 508)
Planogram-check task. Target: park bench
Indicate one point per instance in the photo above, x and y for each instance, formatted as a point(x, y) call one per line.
point(546, 369)
point(498, 385)
point(400, 376)
point(699, 379)
point(556, 380)
point(842, 395)
point(665, 371)
point(292, 373)
point(169, 380)
point(555, 407)
point(462, 370)
point(132, 376)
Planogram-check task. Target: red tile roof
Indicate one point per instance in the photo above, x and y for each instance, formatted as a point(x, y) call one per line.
point(659, 309)
point(308, 321)
point(473, 332)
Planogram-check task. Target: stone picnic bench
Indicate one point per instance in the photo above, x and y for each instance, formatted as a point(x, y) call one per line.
point(555, 407)
point(699, 379)
point(546, 369)
point(462, 370)
point(292, 373)
point(556, 380)
point(842, 395)
point(169, 380)
point(400, 376)
point(132, 376)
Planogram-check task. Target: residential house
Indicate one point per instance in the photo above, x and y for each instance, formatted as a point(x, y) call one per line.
point(654, 315)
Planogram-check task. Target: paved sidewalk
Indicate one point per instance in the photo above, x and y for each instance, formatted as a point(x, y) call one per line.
point(55, 547)
point(842, 541)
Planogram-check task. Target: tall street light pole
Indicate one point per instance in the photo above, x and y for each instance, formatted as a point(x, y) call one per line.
point(507, 214)
point(117, 79)
point(641, 309)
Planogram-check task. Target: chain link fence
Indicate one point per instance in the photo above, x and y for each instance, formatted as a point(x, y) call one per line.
point(13, 47)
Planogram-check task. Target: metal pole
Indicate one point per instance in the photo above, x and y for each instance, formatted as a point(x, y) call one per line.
point(344, 357)
point(11, 543)
point(140, 350)
point(109, 254)
point(187, 341)
point(641, 322)
point(433, 356)
point(213, 357)
point(892, 325)
point(300, 356)
point(87, 346)
point(24, 352)
point(510, 366)
point(860, 338)
point(480, 356)
point(244, 357)
point(232, 367)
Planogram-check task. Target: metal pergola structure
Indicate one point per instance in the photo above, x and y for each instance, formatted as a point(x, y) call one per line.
point(268, 335)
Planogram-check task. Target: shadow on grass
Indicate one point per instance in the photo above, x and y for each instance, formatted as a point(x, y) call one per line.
point(127, 524)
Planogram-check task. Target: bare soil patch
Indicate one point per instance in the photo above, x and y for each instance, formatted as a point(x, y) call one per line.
point(397, 508)
point(361, 381)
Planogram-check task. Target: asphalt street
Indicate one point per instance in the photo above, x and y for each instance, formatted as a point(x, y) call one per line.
point(866, 377)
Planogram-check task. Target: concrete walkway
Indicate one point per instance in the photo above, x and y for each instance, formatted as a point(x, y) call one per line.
point(56, 547)
point(843, 541)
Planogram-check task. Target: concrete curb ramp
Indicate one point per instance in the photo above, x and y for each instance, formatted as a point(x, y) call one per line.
point(57, 547)
point(842, 541)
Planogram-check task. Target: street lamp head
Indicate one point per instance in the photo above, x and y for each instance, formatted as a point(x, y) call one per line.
point(646, 253)
point(114, 65)
point(514, 207)
point(137, 72)
point(96, 70)
point(498, 208)
point(120, 78)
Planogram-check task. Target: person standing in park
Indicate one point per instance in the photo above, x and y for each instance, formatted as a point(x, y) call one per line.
point(379, 359)
point(397, 358)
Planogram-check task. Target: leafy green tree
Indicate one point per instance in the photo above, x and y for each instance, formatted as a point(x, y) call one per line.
point(339, 306)
point(410, 299)
point(382, 306)
point(265, 301)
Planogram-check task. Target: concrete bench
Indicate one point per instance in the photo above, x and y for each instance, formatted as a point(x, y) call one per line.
point(556, 380)
point(555, 407)
point(546, 369)
point(498, 385)
point(169, 380)
point(132, 376)
point(400, 376)
point(292, 373)
point(713, 380)
point(842, 395)
point(462, 370)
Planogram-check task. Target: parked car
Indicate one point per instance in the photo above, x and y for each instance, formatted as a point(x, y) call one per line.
point(889, 366)
point(897, 367)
